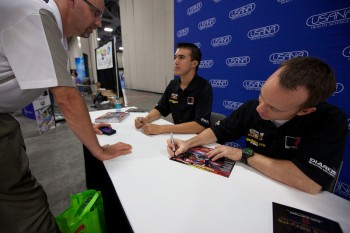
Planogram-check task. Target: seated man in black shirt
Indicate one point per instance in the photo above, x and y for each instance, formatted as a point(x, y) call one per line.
point(291, 134)
point(188, 98)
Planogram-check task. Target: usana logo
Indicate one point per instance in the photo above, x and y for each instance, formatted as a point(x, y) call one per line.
point(206, 23)
point(221, 41)
point(233, 144)
point(231, 104)
point(277, 58)
point(216, 1)
point(284, 1)
point(242, 11)
point(183, 32)
point(346, 52)
point(219, 83)
point(343, 189)
point(329, 18)
point(178, 1)
point(206, 64)
point(194, 9)
point(339, 88)
point(253, 84)
point(263, 32)
point(237, 61)
point(198, 44)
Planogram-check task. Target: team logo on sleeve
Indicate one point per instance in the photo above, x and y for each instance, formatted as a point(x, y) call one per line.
point(292, 142)
point(205, 121)
point(331, 171)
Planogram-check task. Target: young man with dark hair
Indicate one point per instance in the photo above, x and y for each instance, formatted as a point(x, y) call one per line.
point(291, 134)
point(188, 98)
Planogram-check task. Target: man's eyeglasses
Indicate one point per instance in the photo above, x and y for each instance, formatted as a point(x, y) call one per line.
point(97, 13)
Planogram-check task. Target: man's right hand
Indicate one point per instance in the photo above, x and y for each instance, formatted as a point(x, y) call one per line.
point(97, 126)
point(114, 150)
point(180, 147)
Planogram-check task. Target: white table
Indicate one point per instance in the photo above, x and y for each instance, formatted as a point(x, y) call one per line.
point(160, 195)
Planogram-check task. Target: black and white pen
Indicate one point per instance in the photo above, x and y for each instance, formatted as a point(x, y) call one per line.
point(172, 141)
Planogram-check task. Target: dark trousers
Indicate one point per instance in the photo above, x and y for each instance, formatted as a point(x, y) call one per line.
point(23, 201)
point(97, 178)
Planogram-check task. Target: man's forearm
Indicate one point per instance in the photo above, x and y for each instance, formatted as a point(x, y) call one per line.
point(153, 115)
point(285, 172)
point(205, 137)
point(188, 127)
point(76, 115)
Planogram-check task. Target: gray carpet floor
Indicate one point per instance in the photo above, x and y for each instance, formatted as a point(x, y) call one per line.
point(56, 157)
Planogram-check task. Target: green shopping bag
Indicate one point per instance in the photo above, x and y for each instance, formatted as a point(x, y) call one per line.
point(85, 214)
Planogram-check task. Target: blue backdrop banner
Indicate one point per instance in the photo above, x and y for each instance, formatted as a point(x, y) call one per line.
point(244, 42)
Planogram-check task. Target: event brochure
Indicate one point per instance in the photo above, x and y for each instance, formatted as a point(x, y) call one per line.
point(288, 219)
point(197, 157)
point(111, 117)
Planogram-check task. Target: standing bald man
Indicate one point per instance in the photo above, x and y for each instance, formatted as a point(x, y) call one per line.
point(33, 58)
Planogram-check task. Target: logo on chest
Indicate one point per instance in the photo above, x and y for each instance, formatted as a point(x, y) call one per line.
point(190, 100)
point(174, 98)
point(292, 142)
point(255, 138)
point(256, 134)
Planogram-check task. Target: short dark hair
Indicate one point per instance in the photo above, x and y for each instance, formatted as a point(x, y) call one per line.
point(313, 74)
point(196, 53)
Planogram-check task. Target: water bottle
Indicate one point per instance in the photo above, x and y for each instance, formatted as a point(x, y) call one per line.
point(117, 104)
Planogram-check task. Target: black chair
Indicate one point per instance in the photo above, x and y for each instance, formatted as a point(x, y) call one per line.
point(215, 117)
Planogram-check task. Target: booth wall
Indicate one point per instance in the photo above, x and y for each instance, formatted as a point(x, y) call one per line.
point(148, 40)
point(78, 46)
point(244, 42)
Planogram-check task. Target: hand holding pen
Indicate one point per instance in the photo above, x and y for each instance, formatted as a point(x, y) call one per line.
point(175, 145)
point(171, 148)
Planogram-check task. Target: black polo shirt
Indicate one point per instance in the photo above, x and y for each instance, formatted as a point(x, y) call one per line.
point(315, 143)
point(192, 104)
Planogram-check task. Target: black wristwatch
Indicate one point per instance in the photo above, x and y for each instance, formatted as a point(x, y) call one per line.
point(246, 153)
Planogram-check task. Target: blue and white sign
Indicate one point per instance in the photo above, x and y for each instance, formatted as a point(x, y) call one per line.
point(243, 43)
